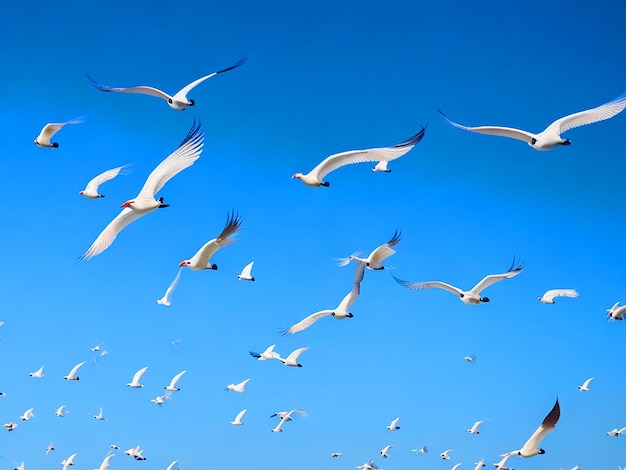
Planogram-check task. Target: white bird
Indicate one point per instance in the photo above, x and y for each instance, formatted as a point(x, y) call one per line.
point(585, 386)
point(161, 399)
point(50, 448)
point(20, 466)
point(183, 157)
point(246, 273)
point(292, 359)
point(381, 166)
point(91, 190)
point(480, 464)
point(239, 388)
point(445, 455)
point(173, 465)
point(550, 137)
point(472, 296)
point(28, 414)
point(265, 355)
point(471, 359)
point(237, 421)
point(456, 466)
point(336, 454)
point(616, 432)
point(105, 463)
point(314, 178)
point(10, 426)
point(338, 313)
point(474, 429)
point(68, 462)
point(167, 297)
point(136, 378)
point(548, 297)
point(423, 450)
point(287, 417)
point(136, 453)
point(376, 257)
point(283, 415)
point(114, 446)
point(96, 348)
point(394, 424)
point(43, 139)
point(100, 416)
point(179, 101)
point(172, 386)
point(501, 465)
point(384, 451)
point(369, 466)
point(616, 312)
point(37, 374)
point(202, 259)
point(531, 447)
point(59, 412)
point(72, 375)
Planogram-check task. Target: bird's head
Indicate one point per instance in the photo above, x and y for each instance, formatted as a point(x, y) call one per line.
point(184, 263)
point(484, 299)
point(170, 101)
point(296, 175)
point(350, 315)
point(566, 142)
point(298, 365)
point(81, 192)
point(56, 144)
point(191, 103)
point(541, 451)
point(127, 204)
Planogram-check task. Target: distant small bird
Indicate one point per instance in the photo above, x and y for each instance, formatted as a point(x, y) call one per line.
point(616, 312)
point(394, 425)
point(173, 465)
point(72, 375)
point(43, 139)
point(246, 273)
point(287, 417)
point(369, 466)
point(265, 355)
point(474, 429)
point(68, 462)
point(239, 388)
point(96, 348)
point(28, 414)
point(616, 432)
point(91, 190)
point(105, 463)
point(20, 466)
point(10, 426)
point(179, 101)
point(100, 416)
point(501, 465)
point(59, 412)
point(384, 451)
point(50, 448)
point(336, 454)
point(237, 421)
point(472, 296)
point(585, 386)
point(292, 359)
point(377, 256)
point(172, 386)
point(167, 297)
point(37, 374)
point(202, 259)
point(314, 178)
point(548, 297)
point(136, 378)
point(136, 453)
point(531, 447)
point(550, 137)
point(471, 359)
point(283, 415)
point(423, 450)
point(161, 399)
point(114, 446)
point(445, 455)
point(480, 464)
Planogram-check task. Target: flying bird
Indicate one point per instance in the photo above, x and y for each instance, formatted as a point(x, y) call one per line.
point(136, 378)
point(68, 462)
point(91, 190)
point(202, 259)
point(314, 178)
point(72, 375)
point(172, 386)
point(384, 451)
point(43, 139)
point(480, 464)
point(616, 432)
point(456, 466)
point(550, 137)
point(239, 388)
point(369, 466)
point(265, 355)
point(472, 296)
point(292, 359)
point(471, 359)
point(501, 465)
point(616, 312)
point(37, 374)
point(183, 157)
point(96, 348)
point(28, 414)
point(59, 412)
point(100, 416)
point(474, 429)
point(283, 415)
point(338, 313)
point(287, 417)
point(445, 455)
point(136, 453)
point(173, 465)
point(336, 454)
point(531, 447)
point(376, 257)
point(585, 386)
point(50, 448)
point(105, 463)
point(246, 273)
point(161, 399)
point(10, 426)
point(237, 421)
point(179, 101)
point(423, 450)
point(20, 466)
point(394, 425)
point(167, 297)
point(548, 297)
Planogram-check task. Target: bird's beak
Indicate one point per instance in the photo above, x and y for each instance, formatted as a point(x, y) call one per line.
point(182, 263)
point(126, 204)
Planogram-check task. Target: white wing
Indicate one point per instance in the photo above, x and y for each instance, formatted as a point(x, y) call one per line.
point(109, 234)
point(457, 466)
point(243, 384)
point(94, 183)
point(428, 285)
point(167, 298)
point(75, 369)
point(293, 357)
point(182, 94)
point(351, 297)
point(300, 411)
point(202, 257)
point(370, 155)
point(532, 445)
point(494, 130)
point(308, 321)
point(587, 382)
point(240, 415)
point(552, 293)
point(605, 111)
point(50, 129)
point(172, 466)
point(513, 271)
point(381, 166)
point(144, 90)
point(384, 251)
point(176, 378)
point(138, 374)
point(246, 272)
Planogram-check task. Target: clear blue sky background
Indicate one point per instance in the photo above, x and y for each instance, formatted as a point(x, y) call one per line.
point(323, 77)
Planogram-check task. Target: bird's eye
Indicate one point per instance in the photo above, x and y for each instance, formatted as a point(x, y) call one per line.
point(169, 100)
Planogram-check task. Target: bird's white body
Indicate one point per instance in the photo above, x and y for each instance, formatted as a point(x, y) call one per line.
point(237, 421)
point(287, 417)
point(167, 297)
point(393, 426)
point(20, 466)
point(37, 374)
point(549, 296)
point(96, 348)
point(531, 446)
point(616, 432)
point(292, 359)
point(423, 450)
point(59, 412)
point(266, 355)
point(585, 386)
point(100, 416)
point(68, 462)
point(135, 382)
point(246, 273)
point(72, 375)
point(369, 466)
point(377, 256)
point(384, 452)
point(551, 136)
point(336, 454)
point(91, 190)
point(183, 157)
point(474, 429)
point(445, 455)
point(239, 388)
point(136, 453)
point(10, 426)
point(161, 399)
point(202, 259)
point(315, 177)
point(44, 137)
point(471, 359)
point(28, 414)
point(172, 385)
point(382, 167)
point(501, 465)
point(105, 463)
point(480, 464)
point(616, 312)
point(50, 448)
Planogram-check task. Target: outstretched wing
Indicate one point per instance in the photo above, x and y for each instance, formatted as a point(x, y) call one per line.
point(106, 176)
point(182, 93)
point(109, 234)
point(428, 285)
point(204, 254)
point(144, 90)
point(547, 425)
point(494, 130)
point(513, 271)
point(600, 113)
point(308, 321)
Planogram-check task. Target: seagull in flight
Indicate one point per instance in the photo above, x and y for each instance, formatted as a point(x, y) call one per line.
point(50, 448)
point(287, 417)
point(201, 260)
point(339, 313)
point(369, 466)
point(72, 375)
point(336, 454)
point(100, 416)
point(314, 178)
point(167, 297)
point(550, 137)
point(423, 450)
point(376, 257)
point(531, 447)
point(68, 462)
point(173, 465)
point(472, 296)
point(179, 101)
point(105, 463)
point(266, 355)
point(161, 399)
point(48, 131)
point(292, 359)
point(172, 386)
point(501, 465)
point(183, 157)
point(445, 455)
point(91, 190)
point(548, 297)
point(239, 388)
point(616, 432)
point(28, 414)
point(471, 359)
point(394, 425)
point(10, 426)
point(384, 451)
point(136, 378)
point(474, 429)
point(616, 312)
point(237, 421)
point(246, 273)
point(37, 374)
point(585, 386)
point(59, 412)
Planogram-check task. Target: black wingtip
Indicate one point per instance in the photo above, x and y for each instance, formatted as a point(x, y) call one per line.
point(517, 265)
point(238, 64)
point(254, 354)
point(397, 238)
point(282, 331)
point(195, 134)
point(413, 140)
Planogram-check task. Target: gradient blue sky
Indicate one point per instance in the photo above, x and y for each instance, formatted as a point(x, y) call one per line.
point(322, 78)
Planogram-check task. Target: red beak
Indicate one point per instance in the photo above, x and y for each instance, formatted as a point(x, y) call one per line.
point(126, 204)
point(182, 263)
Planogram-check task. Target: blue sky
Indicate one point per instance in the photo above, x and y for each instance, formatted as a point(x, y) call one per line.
point(321, 78)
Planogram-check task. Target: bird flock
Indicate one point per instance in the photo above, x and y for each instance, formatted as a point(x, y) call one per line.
point(188, 152)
